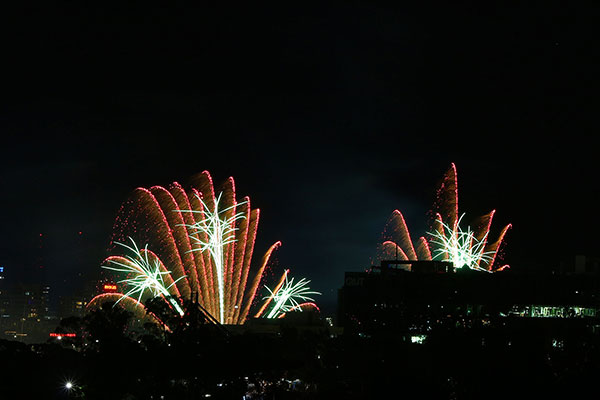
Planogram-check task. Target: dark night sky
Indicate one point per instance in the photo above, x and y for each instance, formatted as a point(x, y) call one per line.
point(329, 118)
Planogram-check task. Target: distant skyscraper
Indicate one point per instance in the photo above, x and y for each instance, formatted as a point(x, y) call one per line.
point(71, 306)
point(4, 302)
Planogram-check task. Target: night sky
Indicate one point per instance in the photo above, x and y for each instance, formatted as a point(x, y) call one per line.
point(329, 118)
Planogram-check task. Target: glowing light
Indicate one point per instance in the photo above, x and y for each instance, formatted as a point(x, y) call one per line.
point(69, 385)
point(61, 335)
point(286, 297)
point(212, 233)
point(109, 288)
point(145, 275)
point(418, 339)
point(460, 247)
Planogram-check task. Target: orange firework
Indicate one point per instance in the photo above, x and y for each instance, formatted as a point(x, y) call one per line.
point(447, 241)
point(174, 224)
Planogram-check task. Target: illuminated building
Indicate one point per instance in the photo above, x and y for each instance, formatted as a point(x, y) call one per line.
point(4, 300)
point(71, 306)
point(36, 301)
point(389, 299)
point(26, 311)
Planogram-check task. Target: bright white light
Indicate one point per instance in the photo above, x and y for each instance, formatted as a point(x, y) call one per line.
point(68, 385)
point(461, 247)
point(146, 275)
point(219, 231)
point(418, 339)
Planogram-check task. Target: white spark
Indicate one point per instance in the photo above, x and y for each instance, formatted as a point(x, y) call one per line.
point(146, 275)
point(286, 298)
point(461, 247)
point(219, 231)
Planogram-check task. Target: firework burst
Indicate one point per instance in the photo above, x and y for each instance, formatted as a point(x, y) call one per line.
point(287, 296)
point(447, 241)
point(460, 247)
point(206, 240)
point(145, 274)
point(212, 233)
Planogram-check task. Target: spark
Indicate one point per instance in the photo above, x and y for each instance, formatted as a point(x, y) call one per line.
point(219, 231)
point(286, 298)
point(144, 275)
point(461, 247)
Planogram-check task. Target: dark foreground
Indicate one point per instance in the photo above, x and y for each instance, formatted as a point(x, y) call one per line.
point(202, 362)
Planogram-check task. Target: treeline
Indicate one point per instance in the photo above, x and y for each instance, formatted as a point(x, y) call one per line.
point(109, 358)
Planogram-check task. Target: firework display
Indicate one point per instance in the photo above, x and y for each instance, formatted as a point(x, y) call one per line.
point(460, 247)
point(145, 273)
point(286, 296)
point(213, 232)
point(197, 245)
point(448, 240)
